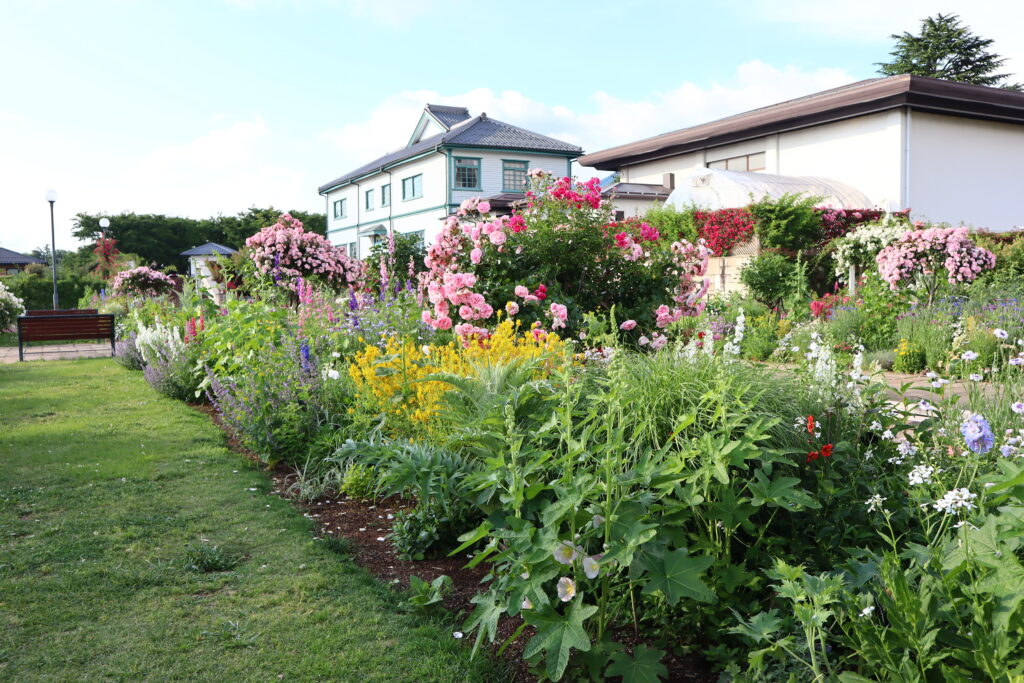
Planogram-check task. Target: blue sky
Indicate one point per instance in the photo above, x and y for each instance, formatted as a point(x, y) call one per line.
point(198, 108)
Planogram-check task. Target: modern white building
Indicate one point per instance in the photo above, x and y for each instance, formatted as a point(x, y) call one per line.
point(451, 156)
point(950, 152)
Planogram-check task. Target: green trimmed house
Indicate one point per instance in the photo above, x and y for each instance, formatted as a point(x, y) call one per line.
point(451, 156)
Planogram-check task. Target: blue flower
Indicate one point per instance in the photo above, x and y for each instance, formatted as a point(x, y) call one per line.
point(978, 434)
point(304, 353)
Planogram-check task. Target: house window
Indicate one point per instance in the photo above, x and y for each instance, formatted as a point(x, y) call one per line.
point(420, 237)
point(412, 188)
point(339, 208)
point(467, 173)
point(353, 249)
point(747, 162)
point(513, 176)
point(385, 195)
point(369, 200)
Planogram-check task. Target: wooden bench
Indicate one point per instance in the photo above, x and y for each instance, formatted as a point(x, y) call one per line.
point(64, 327)
point(68, 311)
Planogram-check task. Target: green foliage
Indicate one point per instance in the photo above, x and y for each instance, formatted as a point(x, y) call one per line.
point(37, 291)
point(358, 482)
point(947, 49)
point(424, 595)
point(769, 277)
point(160, 239)
point(408, 249)
point(789, 222)
point(643, 667)
point(668, 220)
point(208, 557)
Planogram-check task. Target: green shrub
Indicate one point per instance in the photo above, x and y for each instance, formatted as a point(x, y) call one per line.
point(789, 222)
point(910, 358)
point(358, 482)
point(679, 223)
point(207, 557)
point(768, 276)
point(37, 292)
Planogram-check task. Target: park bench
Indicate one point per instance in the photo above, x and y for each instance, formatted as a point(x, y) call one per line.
point(68, 311)
point(64, 326)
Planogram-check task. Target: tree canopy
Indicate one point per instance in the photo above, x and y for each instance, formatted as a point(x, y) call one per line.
point(160, 239)
point(949, 50)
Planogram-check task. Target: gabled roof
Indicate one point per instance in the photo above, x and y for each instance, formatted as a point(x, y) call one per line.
point(447, 116)
point(478, 132)
point(209, 249)
point(13, 257)
point(856, 99)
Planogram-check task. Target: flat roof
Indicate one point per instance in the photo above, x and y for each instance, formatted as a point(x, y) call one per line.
point(856, 99)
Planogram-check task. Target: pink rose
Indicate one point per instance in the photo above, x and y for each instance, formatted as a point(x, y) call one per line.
point(628, 325)
point(497, 238)
point(521, 291)
point(512, 308)
point(483, 207)
point(476, 255)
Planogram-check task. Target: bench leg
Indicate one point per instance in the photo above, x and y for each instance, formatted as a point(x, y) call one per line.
point(21, 352)
point(112, 347)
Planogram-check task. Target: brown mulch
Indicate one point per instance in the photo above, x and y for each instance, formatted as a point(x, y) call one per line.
point(366, 524)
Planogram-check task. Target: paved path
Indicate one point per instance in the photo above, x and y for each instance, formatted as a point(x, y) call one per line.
point(9, 354)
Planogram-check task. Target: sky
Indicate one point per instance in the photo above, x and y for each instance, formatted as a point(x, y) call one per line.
point(206, 107)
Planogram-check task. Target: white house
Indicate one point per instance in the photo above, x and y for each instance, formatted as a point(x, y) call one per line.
point(950, 152)
point(450, 157)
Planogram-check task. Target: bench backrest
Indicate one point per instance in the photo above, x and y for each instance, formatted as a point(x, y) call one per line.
point(65, 327)
point(67, 311)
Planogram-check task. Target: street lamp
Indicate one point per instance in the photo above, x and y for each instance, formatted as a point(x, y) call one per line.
point(51, 196)
point(104, 224)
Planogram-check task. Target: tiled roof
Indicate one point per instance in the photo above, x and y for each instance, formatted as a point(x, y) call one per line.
point(209, 249)
point(480, 132)
point(448, 116)
point(8, 256)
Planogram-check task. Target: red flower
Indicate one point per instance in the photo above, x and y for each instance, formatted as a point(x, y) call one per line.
point(542, 292)
point(813, 455)
point(826, 451)
point(810, 424)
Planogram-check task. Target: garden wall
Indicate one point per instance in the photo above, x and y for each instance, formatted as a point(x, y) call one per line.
point(724, 273)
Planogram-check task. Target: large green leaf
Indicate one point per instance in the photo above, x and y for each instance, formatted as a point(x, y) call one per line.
point(557, 634)
point(643, 667)
point(678, 575)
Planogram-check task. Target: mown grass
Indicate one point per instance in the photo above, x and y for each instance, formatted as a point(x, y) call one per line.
point(111, 497)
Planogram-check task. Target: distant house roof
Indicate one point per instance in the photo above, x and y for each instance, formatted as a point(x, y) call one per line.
point(478, 132)
point(14, 258)
point(447, 116)
point(637, 191)
point(209, 249)
point(856, 99)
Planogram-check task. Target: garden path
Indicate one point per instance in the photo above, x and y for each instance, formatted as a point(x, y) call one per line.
point(9, 354)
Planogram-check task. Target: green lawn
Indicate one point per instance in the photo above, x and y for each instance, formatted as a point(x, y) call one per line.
point(104, 489)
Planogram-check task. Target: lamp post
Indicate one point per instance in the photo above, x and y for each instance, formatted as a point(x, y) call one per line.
point(104, 258)
point(104, 224)
point(51, 196)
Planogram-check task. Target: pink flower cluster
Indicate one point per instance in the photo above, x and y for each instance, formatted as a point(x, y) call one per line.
point(455, 289)
point(837, 222)
point(577, 194)
point(286, 249)
point(924, 252)
point(689, 264)
point(142, 282)
point(632, 245)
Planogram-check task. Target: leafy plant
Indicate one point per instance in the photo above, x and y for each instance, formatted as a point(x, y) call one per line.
point(789, 222)
point(424, 595)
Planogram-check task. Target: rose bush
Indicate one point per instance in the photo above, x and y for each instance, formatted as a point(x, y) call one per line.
point(286, 249)
point(141, 282)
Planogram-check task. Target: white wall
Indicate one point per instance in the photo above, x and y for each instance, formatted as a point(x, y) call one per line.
point(863, 152)
point(491, 169)
point(966, 171)
point(654, 171)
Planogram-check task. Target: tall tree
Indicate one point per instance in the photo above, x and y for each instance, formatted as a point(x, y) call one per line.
point(947, 49)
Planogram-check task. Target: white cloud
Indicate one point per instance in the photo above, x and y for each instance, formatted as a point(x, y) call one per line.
point(605, 121)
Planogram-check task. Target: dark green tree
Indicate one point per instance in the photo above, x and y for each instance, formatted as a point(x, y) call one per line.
point(948, 50)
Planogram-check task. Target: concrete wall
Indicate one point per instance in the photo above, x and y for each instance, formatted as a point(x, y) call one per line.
point(965, 171)
point(723, 274)
point(864, 152)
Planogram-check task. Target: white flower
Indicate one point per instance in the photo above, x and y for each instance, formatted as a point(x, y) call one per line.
point(1000, 333)
point(974, 377)
point(925, 407)
point(566, 589)
point(795, 349)
point(875, 426)
point(955, 500)
point(591, 567)
point(526, 604)
point(867, 611)
point(964, 522)
point(888, 435)
point(939, 382)
point(970, 355)
point(922, 474)
point(565, 553)
point(335, 354)
point(906, 448)
point(333, 374)
point(643, 341)
point(458, 635)
point(597, 521)
point(1018, 407)
point(875, 503)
